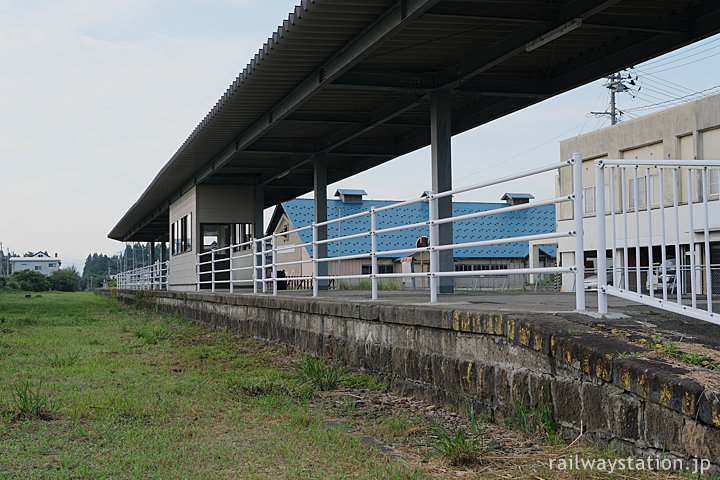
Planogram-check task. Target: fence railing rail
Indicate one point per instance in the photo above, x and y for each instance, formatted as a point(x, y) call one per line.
point(220, 268)
point(652, 207)
point(149, 277)
point(650, 177)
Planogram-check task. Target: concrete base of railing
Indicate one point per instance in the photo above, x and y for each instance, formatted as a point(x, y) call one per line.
point(494, 361)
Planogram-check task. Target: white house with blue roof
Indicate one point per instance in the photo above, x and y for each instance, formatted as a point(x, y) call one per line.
point(299, 213)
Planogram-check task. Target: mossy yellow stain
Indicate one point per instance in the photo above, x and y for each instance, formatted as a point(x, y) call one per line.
point(585, 362)
point(517, 395)
point(499, 325)
point(688, 404)
point(538, 342)
point(511, 328)
point(644, 385)
point(602, 368)
point(552, 344)
point(489, 324)
point(524, 336)
point(477, 323)
point(567, 356)
point(716, 418)
point(465, 322)
point(665, 394)
point(625, 381)
point(468, 377)
point(456, 321)
point(442, 367)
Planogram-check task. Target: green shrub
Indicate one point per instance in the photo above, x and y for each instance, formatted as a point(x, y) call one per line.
point(31, 281)
point(8, 284)
point(65, 280)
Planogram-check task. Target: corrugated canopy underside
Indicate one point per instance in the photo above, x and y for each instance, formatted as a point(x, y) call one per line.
point(350, 80)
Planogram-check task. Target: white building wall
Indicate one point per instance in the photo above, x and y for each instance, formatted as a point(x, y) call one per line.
point(182, 274)
point(690, 131)
point(45, 266)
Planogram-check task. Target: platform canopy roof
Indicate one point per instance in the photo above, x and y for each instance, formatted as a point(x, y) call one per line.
point(350, 80)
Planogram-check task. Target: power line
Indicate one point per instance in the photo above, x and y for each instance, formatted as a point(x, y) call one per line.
point(682, 51)
point(697, 95)
point(688, 63)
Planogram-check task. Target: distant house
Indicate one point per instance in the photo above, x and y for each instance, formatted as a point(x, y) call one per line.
point(39, 262)
point(299, 213)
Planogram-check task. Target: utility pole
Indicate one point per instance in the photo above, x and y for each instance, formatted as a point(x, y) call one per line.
point(615, 85)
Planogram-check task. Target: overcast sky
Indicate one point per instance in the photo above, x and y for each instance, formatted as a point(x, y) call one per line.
point(96, 96)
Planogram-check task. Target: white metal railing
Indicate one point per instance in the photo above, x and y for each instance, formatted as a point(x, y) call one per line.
point(221, 268)
point(150, 277)
point(661, 217)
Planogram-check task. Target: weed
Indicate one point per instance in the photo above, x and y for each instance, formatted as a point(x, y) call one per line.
point(151, 336)
point(521, 419)
point(460, 448)
point(29, 401)
point(348, 405)
point(57, 360)
point(548, 421)
point(366, 284)
point(695, 358)
point(265, 383)
point(321, 375)
point(361, 380)
point(573, 331)
point(402, 425)
point(539, 419)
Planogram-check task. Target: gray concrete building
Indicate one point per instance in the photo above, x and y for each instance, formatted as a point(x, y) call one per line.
point(686, 132)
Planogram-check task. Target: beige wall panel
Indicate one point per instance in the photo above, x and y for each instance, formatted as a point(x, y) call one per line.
point(225, 204)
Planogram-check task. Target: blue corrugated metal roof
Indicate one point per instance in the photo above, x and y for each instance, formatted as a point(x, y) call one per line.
point(510, 224)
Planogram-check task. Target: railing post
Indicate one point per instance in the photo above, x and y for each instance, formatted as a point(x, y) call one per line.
point(264, 266)
point(315, 262)
point(706, 240)
point(579, 245)
point(433, 241)
point(274, 263)
point(212, 264)
point(373, 253)
point(601, 242)
point(230, 256)
point(254, 266)
point(197, 271)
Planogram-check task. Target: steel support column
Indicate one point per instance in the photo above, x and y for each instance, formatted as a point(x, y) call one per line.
point(320, 186)
point(163, 252)
point(258, 228)
point(440, 134)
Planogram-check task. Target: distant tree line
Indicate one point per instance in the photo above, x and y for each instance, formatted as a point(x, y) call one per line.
point(99, 267)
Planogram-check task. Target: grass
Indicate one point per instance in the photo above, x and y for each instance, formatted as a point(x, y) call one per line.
point(320, 374)
point(92, 389)
point(536, 420)
point(29, 401)
point(366, 284)
point(461, 447)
